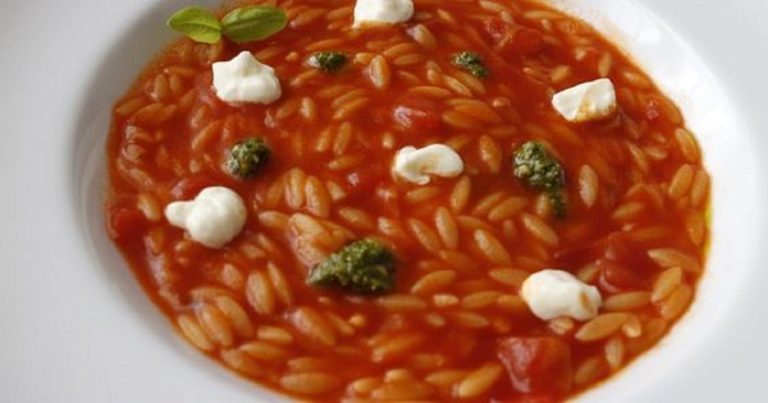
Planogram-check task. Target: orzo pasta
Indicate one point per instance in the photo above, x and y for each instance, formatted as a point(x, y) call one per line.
point(360, 218)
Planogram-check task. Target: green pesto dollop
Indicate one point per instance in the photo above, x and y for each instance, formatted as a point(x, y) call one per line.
point(365, 266)
point(537, 168)
point(248, 157)
point(471, 62)
point(330, 62)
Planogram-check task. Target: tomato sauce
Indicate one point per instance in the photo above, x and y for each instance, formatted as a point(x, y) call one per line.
point(170, 138)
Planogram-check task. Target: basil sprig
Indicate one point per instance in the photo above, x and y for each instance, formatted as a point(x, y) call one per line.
point(253, 23)
point(244, 24)
point(197, 23)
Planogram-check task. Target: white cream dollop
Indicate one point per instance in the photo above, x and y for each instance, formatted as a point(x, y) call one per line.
point(593, 100)
point(213, 218)
point(552, 294)
point(417, 164)
point(245, 79)
point(377, 12)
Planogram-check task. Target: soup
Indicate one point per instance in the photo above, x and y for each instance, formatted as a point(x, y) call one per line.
point(485, 201)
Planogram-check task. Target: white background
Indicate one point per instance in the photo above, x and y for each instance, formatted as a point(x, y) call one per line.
point(67, 333)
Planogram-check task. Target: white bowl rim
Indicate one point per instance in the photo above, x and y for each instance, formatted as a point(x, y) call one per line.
point(89, 334)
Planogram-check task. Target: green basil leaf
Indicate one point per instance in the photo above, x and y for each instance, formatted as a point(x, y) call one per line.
point(253, 23)
point(197, 23)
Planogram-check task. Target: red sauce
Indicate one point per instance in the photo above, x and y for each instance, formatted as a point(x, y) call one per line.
point(171, 136)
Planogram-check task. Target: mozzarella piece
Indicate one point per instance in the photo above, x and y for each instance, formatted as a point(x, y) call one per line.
point(245, 79)
point(377, 12)
point(417, 164)
point(213, 218)
point(552, 294)
point(593, 100)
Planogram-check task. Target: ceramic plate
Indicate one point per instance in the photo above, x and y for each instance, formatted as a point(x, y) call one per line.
point(77, 328)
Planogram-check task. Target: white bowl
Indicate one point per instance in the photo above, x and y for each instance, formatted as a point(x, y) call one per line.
point(78, 328)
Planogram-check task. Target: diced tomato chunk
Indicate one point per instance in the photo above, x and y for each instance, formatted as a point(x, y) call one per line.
point(537, 364)
point(125, 223)
point(512, 40)
point(418, 114)
point(615, 277)
point(616, 247)
point(496, 29)
point(190, 186)
point(386, 196)
point(522, 41)
point(529, 41)
point(363, 180)
point(652, 112)
point(529, 399)
point(538, 399)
